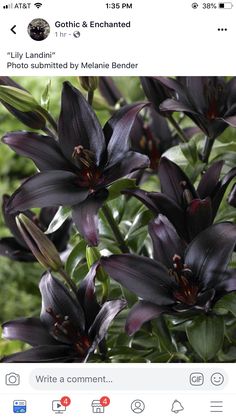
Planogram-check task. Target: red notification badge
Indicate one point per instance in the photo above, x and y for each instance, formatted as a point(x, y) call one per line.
point(65, 401)
point(105, 401)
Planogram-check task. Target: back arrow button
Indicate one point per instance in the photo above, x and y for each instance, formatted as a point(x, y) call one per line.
point(13, 29)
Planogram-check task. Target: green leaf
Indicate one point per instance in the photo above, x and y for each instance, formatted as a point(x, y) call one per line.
point(176, 155)
point(190, 151)
point(164, 335)
point(142, 219)
point(206, 334)
point(159, 357)
point(59, 218)
point(118, 186)
point(80, 272)
point(226, 304)
point(219, 149)
point(99, 104)
point(229, 356)
point(75, 257)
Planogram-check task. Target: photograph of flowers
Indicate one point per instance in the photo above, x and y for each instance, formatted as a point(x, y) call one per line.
point(117, 224)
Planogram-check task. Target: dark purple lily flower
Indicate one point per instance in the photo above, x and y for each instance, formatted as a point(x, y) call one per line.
point(179, 280)
point(190, 210)
point(150, 134)
point(31, 119)
point(77, 170)
point(209, 101)
point(68, 329)
point(16, 248)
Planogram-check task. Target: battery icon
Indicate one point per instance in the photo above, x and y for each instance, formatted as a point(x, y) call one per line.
point(226, 5)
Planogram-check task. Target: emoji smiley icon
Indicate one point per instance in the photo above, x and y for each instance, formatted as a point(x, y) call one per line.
point(217, 379)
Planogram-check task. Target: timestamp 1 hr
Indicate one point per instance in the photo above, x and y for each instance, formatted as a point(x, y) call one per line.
point(119, 5)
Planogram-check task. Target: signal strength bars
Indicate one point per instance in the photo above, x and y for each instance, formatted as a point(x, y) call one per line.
point(8, 6)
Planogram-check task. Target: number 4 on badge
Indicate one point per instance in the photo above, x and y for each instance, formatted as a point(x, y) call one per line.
point(105, 401)
point(65, 401)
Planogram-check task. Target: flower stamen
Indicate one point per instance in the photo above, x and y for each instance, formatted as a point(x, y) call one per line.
point(187, 291)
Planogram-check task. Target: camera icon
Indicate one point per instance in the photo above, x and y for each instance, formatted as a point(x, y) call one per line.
point(12, 379)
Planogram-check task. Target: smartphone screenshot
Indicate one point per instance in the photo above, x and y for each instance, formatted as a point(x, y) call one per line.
point(117, 209)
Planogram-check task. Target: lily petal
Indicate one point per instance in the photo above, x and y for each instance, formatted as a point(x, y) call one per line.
point(172, 84)
point(174, 181)
point(56, 296)
point(199, 216)
point(205, 299)
point(50, 188)
point(44, 353)
point(227, 284)
point(85, 216)
point(29, 330)
point(160, 203)
point(166, 242)
point(232, 196)
point(121, 124)
point(231, 120)
point(10, 221)
point(106, 315)
point(130, 162)
point(78, 125)
point(209, 253)
point(143, 196)
point(87, 295)
point(144, 277)
point(172, 105)
point(10, 248)
point(209, 180)
point(141, 313)
point(43, 150)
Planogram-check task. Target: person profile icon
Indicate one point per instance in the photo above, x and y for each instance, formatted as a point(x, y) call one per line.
point(137, 406)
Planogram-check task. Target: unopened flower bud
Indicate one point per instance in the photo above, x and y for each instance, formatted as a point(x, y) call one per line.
point(21, 104)
point(40, 245)
point(89, 83)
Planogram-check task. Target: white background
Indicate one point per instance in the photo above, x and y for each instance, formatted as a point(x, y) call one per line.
point(167, 37)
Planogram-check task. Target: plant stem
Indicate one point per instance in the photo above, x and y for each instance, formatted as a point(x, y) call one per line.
point(179, 356)
point(207, 149)
point(90, 97)
point(68, 280)
point(180, 132)
point(49, 118)
point(115, 229)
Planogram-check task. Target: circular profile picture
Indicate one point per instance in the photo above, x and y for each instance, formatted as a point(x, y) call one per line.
point(38, 29)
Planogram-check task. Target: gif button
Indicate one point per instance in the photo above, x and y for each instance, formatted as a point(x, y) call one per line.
point(196, 379)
